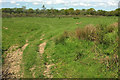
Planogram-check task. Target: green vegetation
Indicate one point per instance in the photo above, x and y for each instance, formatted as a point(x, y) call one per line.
point(23, 12)
point(84, 47)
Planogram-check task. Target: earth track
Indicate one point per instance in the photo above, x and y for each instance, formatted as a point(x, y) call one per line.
point(47, 72)
point(12, 62)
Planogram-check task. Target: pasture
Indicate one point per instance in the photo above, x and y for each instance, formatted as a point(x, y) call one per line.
point(55, 49)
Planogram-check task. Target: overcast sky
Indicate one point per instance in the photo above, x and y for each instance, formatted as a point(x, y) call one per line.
point(62, 4)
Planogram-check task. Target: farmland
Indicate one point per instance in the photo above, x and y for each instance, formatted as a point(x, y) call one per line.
point(62, 47)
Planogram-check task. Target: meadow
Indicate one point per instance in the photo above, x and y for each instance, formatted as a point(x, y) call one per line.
point(84, 47)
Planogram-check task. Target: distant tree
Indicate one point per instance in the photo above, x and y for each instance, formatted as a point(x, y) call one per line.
point(56, 12)
point(24, 8)
point(77, 12)
point(66, 12)
point(111, 13)
point(71, 11)
point(117, 12)
point(48, 11)
point(62, 11)
point(15, 10)
point(102, 12)
point(30, 10)
point(83, 10)
point(91, 11)
point(23, 11)
point(7, 10)
point(19, 10)
point(43, 7)
point(37, 11)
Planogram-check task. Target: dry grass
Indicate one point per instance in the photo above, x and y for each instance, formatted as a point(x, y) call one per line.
point(110, 61)
point(78, 22)
point(115, 24)
point(88, 32)
point(112, 27)
point(79, 32)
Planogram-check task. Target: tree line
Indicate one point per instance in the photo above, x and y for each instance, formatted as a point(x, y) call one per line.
point(22, 12)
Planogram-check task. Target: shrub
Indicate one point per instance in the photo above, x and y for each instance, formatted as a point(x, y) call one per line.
point(76, 18)
point(101, 31)
point(109, 38)
point(105, 35)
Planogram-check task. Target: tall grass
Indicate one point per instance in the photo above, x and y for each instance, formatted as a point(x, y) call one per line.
point(100, 33)
point(88, 32)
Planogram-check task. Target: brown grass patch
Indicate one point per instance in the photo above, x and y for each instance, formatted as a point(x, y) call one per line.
point(78, 22)
point(112, 27)
point(88, 32)
point(114, 24)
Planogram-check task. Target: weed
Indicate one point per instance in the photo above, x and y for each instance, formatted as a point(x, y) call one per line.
point(78, 56)
point(62, 38)
point(76, 18)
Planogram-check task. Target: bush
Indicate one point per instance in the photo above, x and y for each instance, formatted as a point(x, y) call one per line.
point(105, 35)
point(101, 31)
point(109, 38)
point(76, 18)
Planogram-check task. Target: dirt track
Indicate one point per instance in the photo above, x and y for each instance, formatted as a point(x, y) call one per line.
point(11, 68)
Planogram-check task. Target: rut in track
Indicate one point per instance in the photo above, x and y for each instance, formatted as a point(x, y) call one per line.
point(12, 62)
point(47, 72)
point(48, 66)
point(41, 48)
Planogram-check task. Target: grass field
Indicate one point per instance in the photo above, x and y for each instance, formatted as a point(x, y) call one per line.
point(69, 56)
